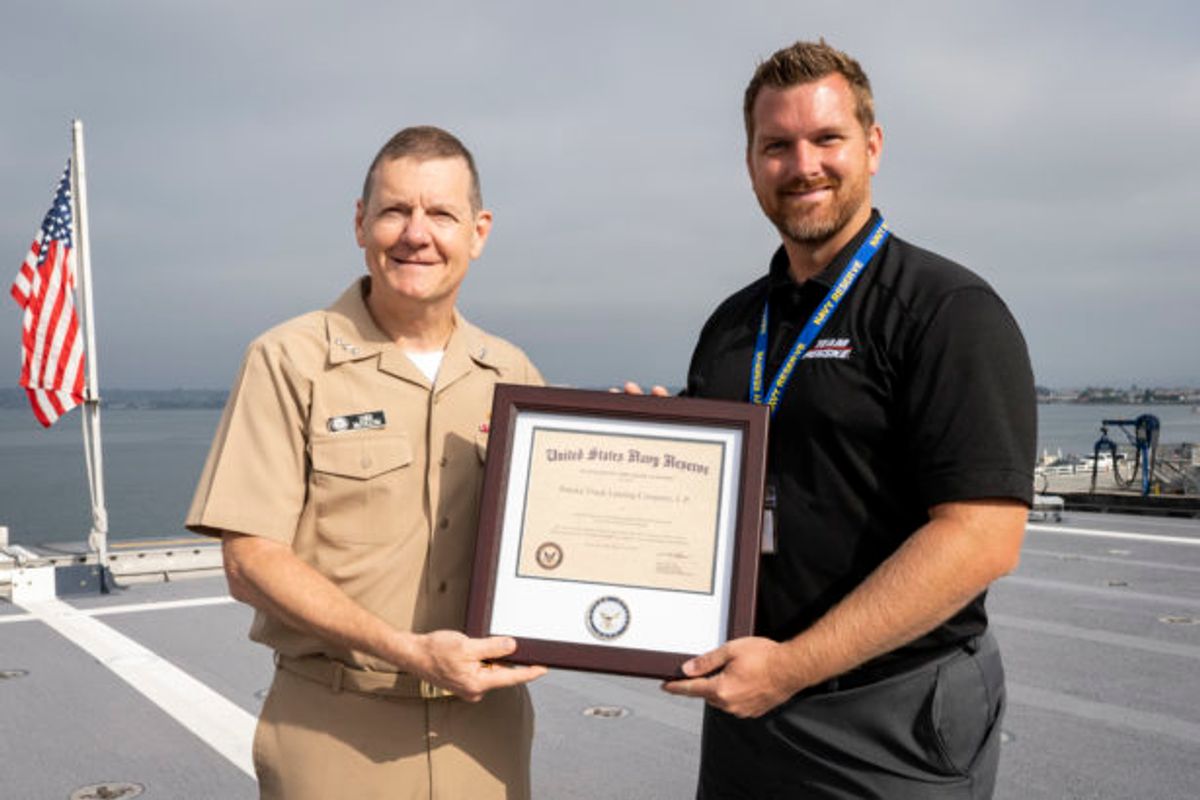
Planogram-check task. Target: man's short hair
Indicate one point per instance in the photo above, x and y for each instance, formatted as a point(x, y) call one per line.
point(425, 143)
point(805, 62)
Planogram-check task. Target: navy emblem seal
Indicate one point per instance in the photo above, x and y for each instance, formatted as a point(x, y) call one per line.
point(608, 618)
point(549, 555)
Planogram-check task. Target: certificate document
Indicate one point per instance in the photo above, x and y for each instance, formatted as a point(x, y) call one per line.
point(622, 509)
point(617, 533)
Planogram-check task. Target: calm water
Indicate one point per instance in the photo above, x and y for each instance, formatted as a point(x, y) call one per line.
point(153, 458)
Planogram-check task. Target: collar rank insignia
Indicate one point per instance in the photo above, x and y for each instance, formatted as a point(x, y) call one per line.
point(365, 420)
point(349, 348)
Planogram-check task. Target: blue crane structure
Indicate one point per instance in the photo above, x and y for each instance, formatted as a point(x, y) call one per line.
point(1143, 437)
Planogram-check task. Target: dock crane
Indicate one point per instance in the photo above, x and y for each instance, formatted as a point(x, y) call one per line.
point(1144, 438)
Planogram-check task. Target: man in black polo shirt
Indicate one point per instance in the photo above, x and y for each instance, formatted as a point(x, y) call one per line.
point(901, 461)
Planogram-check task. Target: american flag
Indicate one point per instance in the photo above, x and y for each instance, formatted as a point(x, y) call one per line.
point(52, 364)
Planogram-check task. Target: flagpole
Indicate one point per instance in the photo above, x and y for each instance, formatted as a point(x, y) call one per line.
point(98, 537)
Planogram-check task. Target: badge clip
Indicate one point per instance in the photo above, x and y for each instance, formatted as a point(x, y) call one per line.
point(767, 540)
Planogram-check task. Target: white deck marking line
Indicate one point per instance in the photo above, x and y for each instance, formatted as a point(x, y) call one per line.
point(222, 725)
point(132, 608)
point(1147, 522)
point(1141, 537)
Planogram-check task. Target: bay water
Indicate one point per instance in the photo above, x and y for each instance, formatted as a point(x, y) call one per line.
point(152, 459)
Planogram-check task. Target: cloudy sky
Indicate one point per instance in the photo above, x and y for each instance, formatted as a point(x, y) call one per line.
point(1049, 146)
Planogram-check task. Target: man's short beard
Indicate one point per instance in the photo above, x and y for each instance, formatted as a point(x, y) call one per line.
point(817, 231)
point(810, 233)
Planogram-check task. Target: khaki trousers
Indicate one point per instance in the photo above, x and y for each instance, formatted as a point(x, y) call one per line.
point(315, 742)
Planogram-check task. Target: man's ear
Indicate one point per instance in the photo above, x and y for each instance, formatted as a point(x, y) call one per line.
point(483, 227)
point(359, 235)
point(874, 147)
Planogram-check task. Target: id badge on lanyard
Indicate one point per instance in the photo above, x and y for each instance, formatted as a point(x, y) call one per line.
point(771, 395)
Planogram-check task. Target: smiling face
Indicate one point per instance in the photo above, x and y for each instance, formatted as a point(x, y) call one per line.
point(419, 233)
point(811, 160)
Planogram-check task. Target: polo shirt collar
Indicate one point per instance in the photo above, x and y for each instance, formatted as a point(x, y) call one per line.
point(353, 336)
point(780, 277)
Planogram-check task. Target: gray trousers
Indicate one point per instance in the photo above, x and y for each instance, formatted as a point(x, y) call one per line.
point(930, 732)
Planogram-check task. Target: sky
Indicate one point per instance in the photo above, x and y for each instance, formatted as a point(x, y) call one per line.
point(1050, 147)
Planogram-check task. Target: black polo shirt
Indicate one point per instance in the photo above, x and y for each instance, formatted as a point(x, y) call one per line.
point(918, 391)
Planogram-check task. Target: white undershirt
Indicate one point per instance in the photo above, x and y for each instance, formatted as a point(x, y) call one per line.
point(428, 363)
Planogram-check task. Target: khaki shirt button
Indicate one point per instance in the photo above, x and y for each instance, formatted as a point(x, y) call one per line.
point(445, 523)
point(366, 461)
point(443, 461)
point(442, 587)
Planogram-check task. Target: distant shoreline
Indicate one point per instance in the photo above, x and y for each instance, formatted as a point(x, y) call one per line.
point(138, 399)
point(1053, 401)
point(172, 399)
point(1133, 396)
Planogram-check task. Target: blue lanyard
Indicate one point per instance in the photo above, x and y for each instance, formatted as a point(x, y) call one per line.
point(845, 281)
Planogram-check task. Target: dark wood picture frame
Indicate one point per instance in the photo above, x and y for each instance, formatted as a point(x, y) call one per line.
point(509, 401)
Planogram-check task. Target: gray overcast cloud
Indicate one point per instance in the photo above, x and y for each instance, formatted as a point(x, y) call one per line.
point(1049, 147)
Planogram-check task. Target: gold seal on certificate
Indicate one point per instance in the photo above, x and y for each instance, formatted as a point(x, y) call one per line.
point(608, 618)
point(548, 555)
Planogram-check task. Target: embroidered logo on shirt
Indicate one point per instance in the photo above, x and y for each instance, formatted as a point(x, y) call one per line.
point(355, 422)
point(830, 348)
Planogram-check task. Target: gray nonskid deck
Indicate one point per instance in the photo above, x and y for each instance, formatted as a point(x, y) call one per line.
point(1098, 634)
point(71, 722)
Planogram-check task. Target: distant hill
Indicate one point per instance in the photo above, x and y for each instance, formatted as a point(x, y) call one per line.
point(137, 398)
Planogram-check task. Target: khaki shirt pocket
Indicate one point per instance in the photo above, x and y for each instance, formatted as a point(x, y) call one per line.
point(359, 481)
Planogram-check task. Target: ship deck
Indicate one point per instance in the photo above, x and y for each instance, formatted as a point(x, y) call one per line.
point(156, 686)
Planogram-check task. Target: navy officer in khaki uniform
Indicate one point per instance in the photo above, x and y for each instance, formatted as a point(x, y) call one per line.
point(344, 480)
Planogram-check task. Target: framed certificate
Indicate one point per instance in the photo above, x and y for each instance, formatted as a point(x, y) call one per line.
point(618, 533)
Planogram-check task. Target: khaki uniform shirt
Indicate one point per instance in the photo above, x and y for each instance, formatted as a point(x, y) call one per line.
point(335, 443)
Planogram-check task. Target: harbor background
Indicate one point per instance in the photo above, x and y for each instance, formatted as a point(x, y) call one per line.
point(153, 457)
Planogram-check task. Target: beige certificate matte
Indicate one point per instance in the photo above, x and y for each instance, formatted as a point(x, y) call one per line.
point(625, 510)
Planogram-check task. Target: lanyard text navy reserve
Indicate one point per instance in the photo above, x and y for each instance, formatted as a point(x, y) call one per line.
point(840, 289)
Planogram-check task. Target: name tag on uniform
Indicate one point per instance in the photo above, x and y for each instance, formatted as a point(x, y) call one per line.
point(356, 422)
